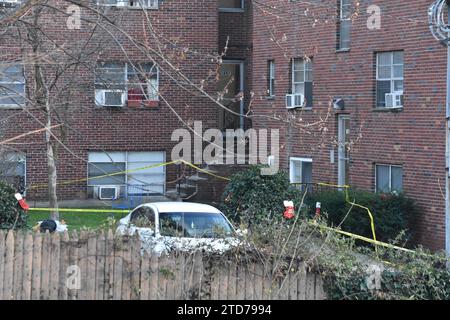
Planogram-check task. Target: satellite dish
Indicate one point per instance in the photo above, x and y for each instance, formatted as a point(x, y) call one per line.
point(338, 104)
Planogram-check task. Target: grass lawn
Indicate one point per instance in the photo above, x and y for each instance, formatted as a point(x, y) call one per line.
point(76, 220)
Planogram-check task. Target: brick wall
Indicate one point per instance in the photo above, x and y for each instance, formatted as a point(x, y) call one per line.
point(179, 25)
point(413, 137)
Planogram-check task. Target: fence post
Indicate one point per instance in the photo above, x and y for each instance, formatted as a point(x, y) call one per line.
point(46, 263)
point(72, 294)
point(162, 278)
point(154, 275)
point(2, 262)
point(27, 266)
point(145, 276)
point(37, 267)
point(9, 266)
point(118, 268)
point(18, 265)
point(100, 269)
point(91, 266)
point(109, 266)
point(55, 267)
point(63, 265)
point(135, 267)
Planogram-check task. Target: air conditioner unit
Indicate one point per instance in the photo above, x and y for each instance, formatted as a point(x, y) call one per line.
point(146, 4)
point(108, 192)
point(9, 2)
point(394, 100)
point(295, 101)
point(110, 98)
point(122, 3)
point(107, 3)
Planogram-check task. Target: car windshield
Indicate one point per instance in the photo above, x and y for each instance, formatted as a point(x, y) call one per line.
point(194, 225)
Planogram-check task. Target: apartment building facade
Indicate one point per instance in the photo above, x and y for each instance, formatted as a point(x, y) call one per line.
point(357, 89)
point(139, 78)
point(360, 87)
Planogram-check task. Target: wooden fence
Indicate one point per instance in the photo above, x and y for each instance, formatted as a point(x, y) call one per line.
point(104, 267)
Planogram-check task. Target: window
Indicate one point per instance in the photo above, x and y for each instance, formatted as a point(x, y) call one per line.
point(271, 78)
point(143, 217)
point(345, 24)
point(135, 84)
point(390, 79)
point(133, 4)
point(302, 79)
point(300, 172)
point(12, 85)
point(231, 5)
point(388, 178)
point(132, 172)
point(13, 169)
point(194, 225)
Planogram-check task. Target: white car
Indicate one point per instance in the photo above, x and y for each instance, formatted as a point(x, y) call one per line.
point(181, 226)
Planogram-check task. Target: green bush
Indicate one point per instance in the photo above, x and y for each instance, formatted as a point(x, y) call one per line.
point(12, 216)
point(391, 212)
point(253, 198)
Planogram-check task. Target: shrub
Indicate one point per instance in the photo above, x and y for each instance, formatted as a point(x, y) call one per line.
point(12, 216)
point(253, 198)
point(391, 212)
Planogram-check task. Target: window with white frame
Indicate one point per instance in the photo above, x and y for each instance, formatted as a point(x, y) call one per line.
point(345, 24)
point(388, 178)
point(117, 83)
point(302, 79)
point(231, 5)
point(13, 169)
point(300, 172)
point(271, 78)
point(130, 172)
point(133, 4)
point(390, 79)
point(12, 85)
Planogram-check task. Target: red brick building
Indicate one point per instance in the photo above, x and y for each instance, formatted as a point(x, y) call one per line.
point(391, 80)
point(387, 132)
point(113, 119)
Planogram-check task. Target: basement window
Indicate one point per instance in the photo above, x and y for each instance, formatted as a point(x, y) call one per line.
point(130, 173)
point(231, 5)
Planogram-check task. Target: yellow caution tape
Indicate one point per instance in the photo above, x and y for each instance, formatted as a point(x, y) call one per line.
point(204, 171)
point(347, 198)
point(131, 171)
point(356, 236)
point(79, 210)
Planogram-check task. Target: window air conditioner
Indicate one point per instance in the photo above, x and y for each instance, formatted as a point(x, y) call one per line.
point(394, 100)
point(146, 4)
point(110, 98)
point(108, 192)
point(294, 101)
